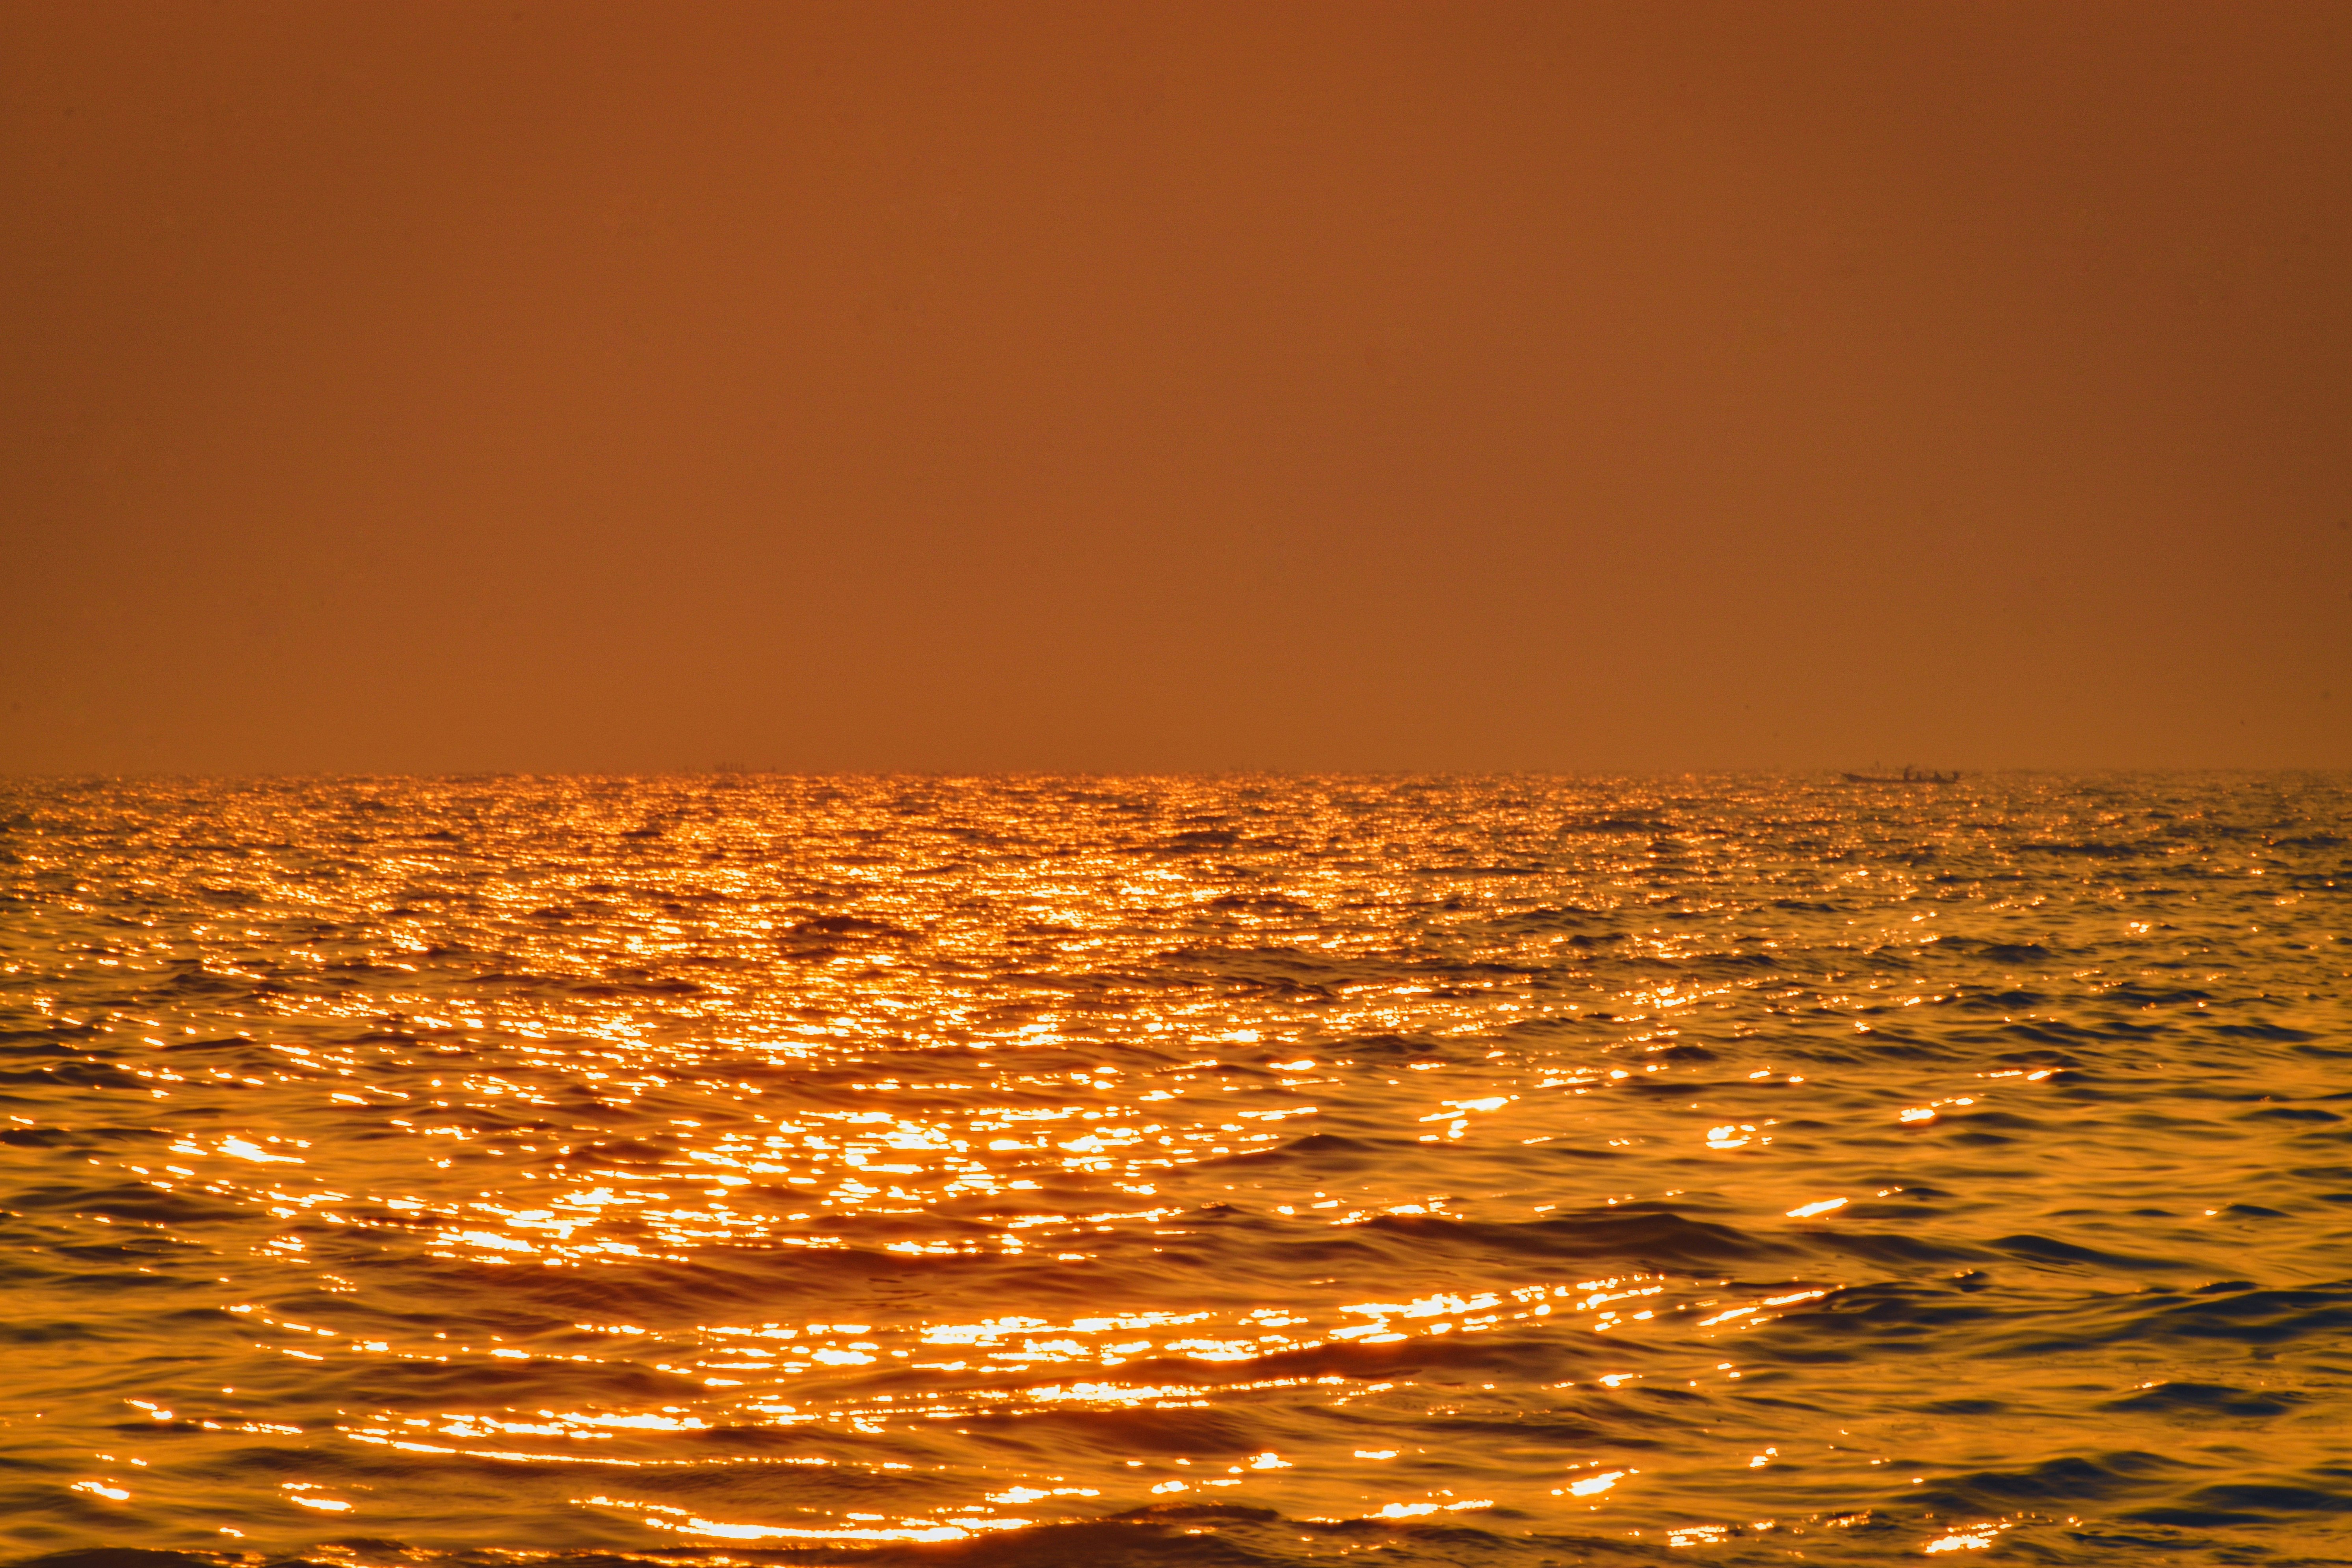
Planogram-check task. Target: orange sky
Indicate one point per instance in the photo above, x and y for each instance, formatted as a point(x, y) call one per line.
point(985, 386)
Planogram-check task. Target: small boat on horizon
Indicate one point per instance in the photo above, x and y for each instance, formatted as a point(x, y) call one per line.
point(1908, 777)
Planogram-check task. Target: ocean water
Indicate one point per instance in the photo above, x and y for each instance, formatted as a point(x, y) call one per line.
point(1230, 1170)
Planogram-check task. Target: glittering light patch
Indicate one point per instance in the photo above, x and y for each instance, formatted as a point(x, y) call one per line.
point(1807, 1211)
point(1975, 1539)
point(718, 1531)
point(485, 1239)
point(244, 1149)
point(642, 1423)
point(100, 1489)
point(685, 1523)
point(1593, 1486)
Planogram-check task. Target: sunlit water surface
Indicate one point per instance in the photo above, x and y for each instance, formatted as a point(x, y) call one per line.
point(1506, 1171)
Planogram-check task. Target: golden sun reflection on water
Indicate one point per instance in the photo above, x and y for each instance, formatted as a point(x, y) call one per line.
point(614, 1164)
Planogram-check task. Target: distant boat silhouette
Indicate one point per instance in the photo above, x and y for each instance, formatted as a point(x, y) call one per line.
point(1908, 777)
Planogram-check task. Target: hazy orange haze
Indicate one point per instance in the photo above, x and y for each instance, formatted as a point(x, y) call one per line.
point(592, 387)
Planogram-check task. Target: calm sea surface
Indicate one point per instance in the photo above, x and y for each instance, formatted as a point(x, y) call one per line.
point(1203, 1172)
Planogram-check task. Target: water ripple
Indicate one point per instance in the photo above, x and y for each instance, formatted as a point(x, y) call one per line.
point(1183, 1171)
